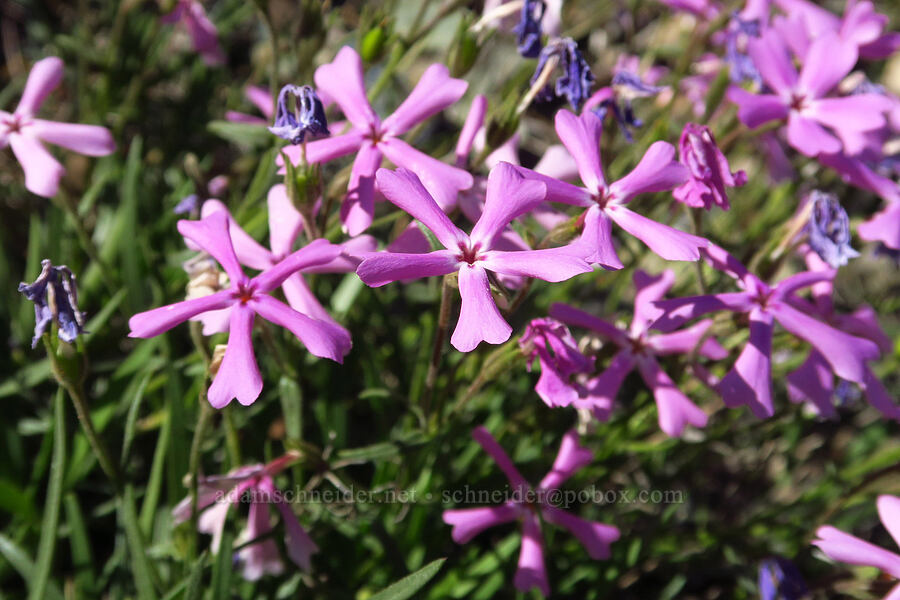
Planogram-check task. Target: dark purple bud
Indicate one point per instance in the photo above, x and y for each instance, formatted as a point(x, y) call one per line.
point(528, 29)
point(709, 170)
point(188, 204)
point(829, 230)
point(576, 80)
point(553, 345)
point(55, 298)
point(779, 579)
point(299, 113)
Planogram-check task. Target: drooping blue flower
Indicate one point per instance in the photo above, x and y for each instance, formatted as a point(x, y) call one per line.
point(742, 66)
point(779, 579)
point(187, 204)
point(299, 113)
point(528, 29)
point(576, 80)
point(55, 298)
point(829, 230)
point(626, 86)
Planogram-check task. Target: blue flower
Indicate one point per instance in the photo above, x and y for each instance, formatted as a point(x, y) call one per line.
point(626, 86)
point(829, 230)
point(576, 80)
point(55, 298)
point(306, 116)
point(779, 579)
point(528, 29)
point(742, 66)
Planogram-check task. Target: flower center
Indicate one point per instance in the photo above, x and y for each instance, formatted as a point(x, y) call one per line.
point(13, 123)
point(603, 197)
point(798, 102)
point(244, 293)
point(467, 254)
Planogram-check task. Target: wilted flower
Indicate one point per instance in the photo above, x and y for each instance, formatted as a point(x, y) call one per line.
point(829, 230)
point(779, 579)
point(299, 114)
point(552, 344)
point(528, 29)
point(709, 170)
point(55, 298)
point(742, 67)
point(576, 79)
point(526, 504)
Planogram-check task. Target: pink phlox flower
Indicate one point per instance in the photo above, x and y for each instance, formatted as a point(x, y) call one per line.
point(239, 376)
point(285, 225)
point(657, 171)
point(816, 124)
point(252, 484)
point(204, 36)
point(749, 382)
point(530, 506)
point(26, 134)
point(552, 344)
point(473, 255)
point(262, 100)
point(847, 548)
point(709, 170)
point(638, 349)
point(813, 381)
point(373, 139)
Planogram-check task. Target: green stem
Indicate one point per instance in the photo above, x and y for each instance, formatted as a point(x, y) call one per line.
point(437, 351)
point(194, 466)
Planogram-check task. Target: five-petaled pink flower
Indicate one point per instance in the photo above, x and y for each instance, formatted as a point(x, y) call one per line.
point(525, 504)
point(24, 133)
point(373, 139)
point(658, 171)
point(473, 256)
point(252, 484)
point(847, 548)
point(638, 348)
point(238, 376)
point(202, 31)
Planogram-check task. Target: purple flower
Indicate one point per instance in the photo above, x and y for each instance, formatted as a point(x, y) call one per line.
point(203, 33)
point(779, 579)
point(657, 171)
point(372, 139)
point(801, 99)
point(472, 256)
point(187, 205)
point(576, 79)
point(528, 29)
point(262, 100)
point(884, 227)
point(253, 484)
point(55, 298)
point(530, 505)
point(739, 31)
point(709, 170)
point(829, 230)
point(552, 344)
point(24, 133)
point(239, 377)
point(844, 547)
point(305, 118)
point(750, 380)
point(638, 349)
point(626, 86)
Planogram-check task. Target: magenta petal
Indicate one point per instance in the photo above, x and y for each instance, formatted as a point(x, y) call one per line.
point(434, 92)
point(675, 409)
point(443, 181)
point(667, 242)
point(649, 289)
point(404, 189)
point(846, 354)
point(884, 227)
point(342, 79)
point(798, 281)
point(261, 99)
point(379, 268)
point(828, 60)
point(91, 140)
point(603, 388)
point(300, 298)
point(359, 205)
point(686, 341)
point(560, 191)
point(750, 380)
point(595, 537)
point(863, 112)
point(578, 318)
point(879, 397)
point(469, 522)
point(809, 137)
point(239, 117)
point(479, 318)
point(597, 237)
point(846, 548)
point(474, 122)
point(352, 252)
point(212, 522)
point(889, 513)
point(212, 234)
point(262, 557)
point(153, 322)
point(863, 322)
point(248, 251)
point(756, 109)
point(285, 221)
point(326, 149)
point(300, 546)
point(203, 34)
point(238, 376)
point(43, 78)
point(321, 338)
point(215, 321)
point(496, 451)
point(549, 264)
point(571, 457)
point(771, 57)
point(42, 171)
point(557, 162)
point(813, 381)
point(508, 196)
point(531, 571)
point(679, 311)
point(658, 171)
point(581, 136)
point(317, 252)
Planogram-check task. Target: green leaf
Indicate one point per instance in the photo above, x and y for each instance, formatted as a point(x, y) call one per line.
point(144, 576)
point(241, 134)
point(194, 586)
point(22, 563)
point(222, 568)
point(409, 585)
point(50, 524)
point(379, 451)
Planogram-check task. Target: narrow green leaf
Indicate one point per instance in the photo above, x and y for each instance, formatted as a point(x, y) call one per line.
point(140, 561)
point(23, 565)
point(240, 134)
point(379, 451)
point(409, 585)
point(79, 543)
point(222, 568)
point(131, 418)
point(194, 586)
